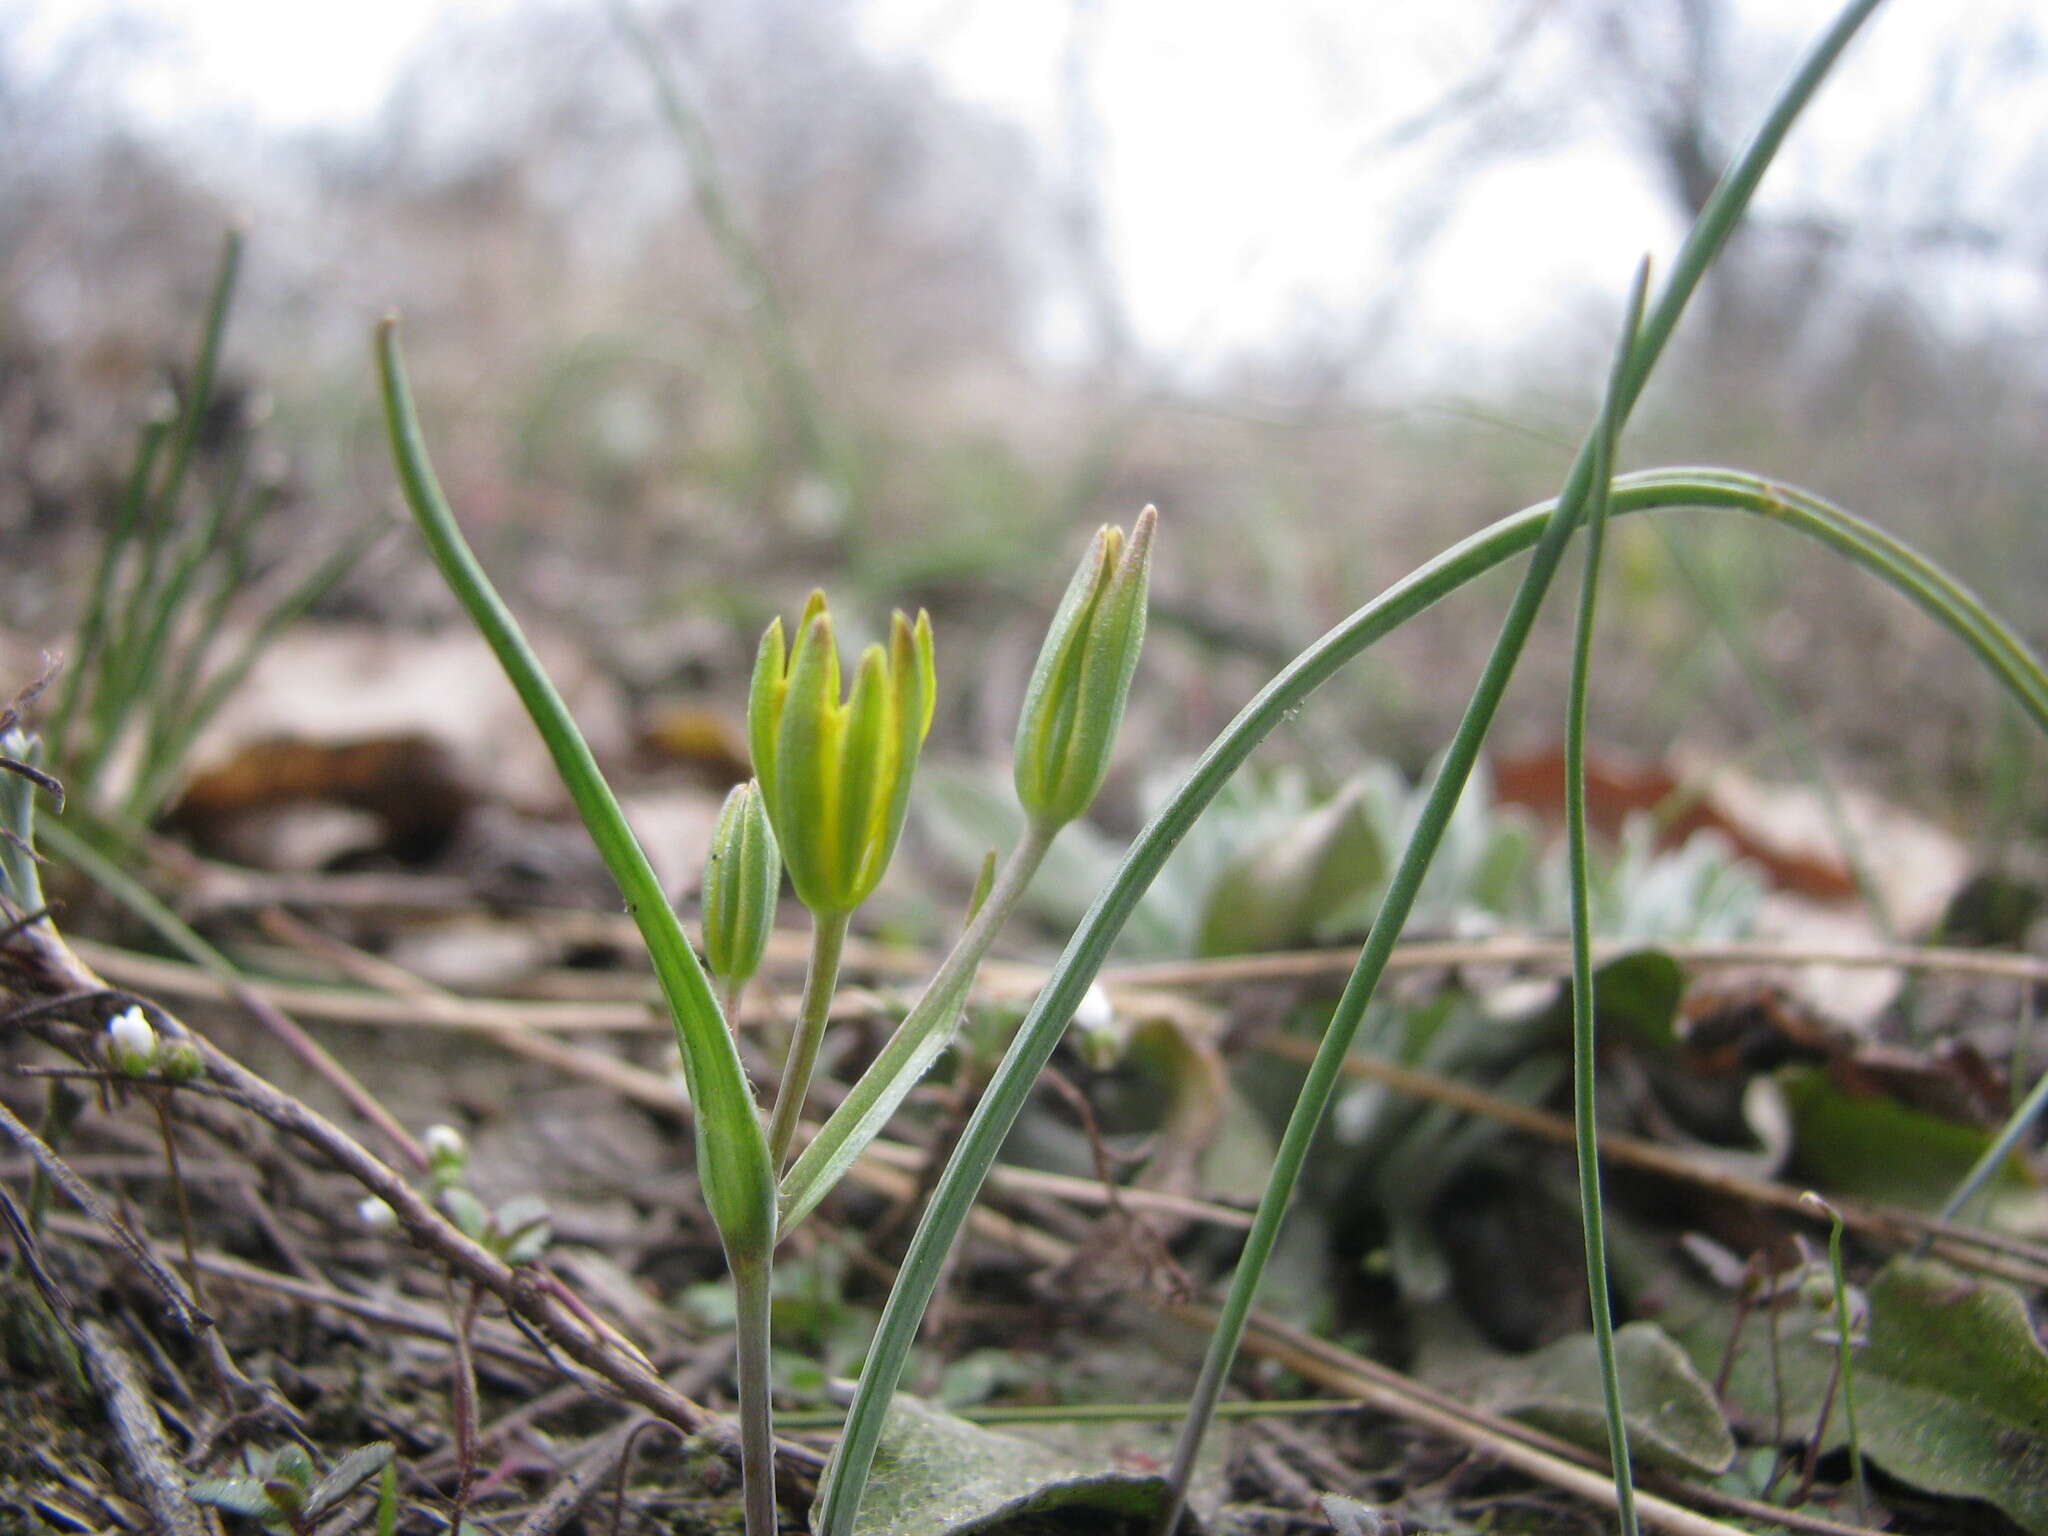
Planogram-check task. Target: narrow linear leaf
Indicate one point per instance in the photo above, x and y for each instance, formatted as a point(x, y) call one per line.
point(1994, 642)
point(732, 1150)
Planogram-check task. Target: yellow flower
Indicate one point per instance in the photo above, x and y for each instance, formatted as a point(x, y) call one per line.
point(835, 773)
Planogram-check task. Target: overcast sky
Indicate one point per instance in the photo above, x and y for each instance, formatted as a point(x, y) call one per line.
point(1247, 192)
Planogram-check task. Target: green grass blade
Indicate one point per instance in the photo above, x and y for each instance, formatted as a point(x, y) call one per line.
point(1940, 595)
point(172, 707)
point(1845, 1362)
point(141, 689)
point(97, 625)
point(122, 636)
point(129, 652)
point(733, 1165)
point(732, 1152)
point(1937, 593)
point(1592, 1214)
point(167, 754)
point(1037, 1036)
point(795, 386)
point(20, 879)
point(1994, 1156)
point(1731, 195)
point(1934, 590)
point(192, 418)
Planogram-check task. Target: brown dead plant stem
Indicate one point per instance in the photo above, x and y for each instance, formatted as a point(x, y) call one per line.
point(44, 968)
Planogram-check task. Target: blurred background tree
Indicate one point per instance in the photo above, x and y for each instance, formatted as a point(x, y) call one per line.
point(711, 301)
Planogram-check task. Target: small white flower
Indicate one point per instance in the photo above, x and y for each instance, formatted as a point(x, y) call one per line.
point(1096, 1035)
point(1095, 1012)
point(376, 1214)
point(131, 1042)
point(445, 1144)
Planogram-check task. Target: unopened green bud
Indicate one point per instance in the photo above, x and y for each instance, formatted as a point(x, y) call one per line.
point(179, 1060)
point(1076, 698)
point(835, 774)
point(741, 881)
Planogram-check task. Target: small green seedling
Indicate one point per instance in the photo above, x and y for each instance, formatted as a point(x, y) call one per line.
point(279, 1487)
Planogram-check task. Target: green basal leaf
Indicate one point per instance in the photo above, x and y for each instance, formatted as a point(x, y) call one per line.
point(237, 1495)
point(941, 1476)
point(1279, 893)
point(1673, 1421)
point(1877, 1148)
point(523, 1229)
point(467, 1212)
point(347, 1475)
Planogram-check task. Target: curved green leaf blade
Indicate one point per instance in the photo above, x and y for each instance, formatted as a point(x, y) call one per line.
point(1945, 599)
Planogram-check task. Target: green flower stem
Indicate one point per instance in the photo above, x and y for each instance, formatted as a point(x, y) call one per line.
point(753, 1302)
point(1940, 595)
point(1585, 1123)
point(917, 1042)
point(828, 938)
point(732, 1153)
point(1845, 1365)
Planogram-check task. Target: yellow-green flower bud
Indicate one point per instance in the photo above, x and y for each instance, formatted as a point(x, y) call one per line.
point(835, 774)
point(1076, 698)
point(741, 880)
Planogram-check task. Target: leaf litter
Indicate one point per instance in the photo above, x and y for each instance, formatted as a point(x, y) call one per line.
point(353, 1329)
